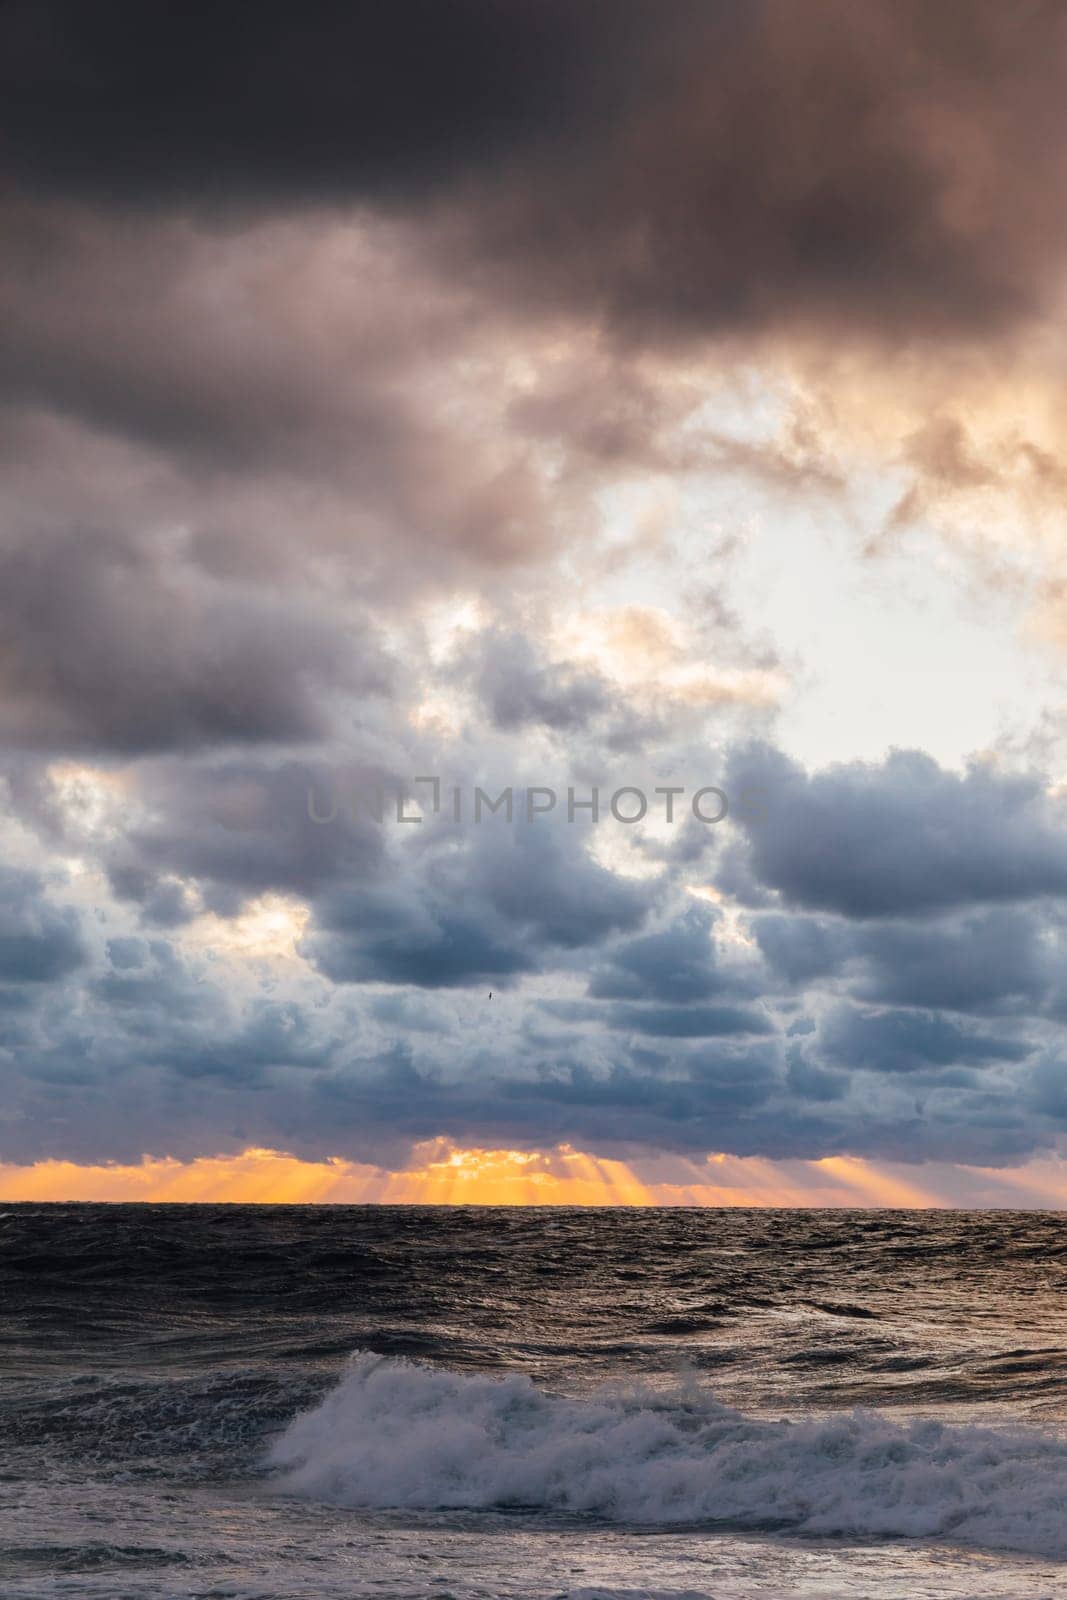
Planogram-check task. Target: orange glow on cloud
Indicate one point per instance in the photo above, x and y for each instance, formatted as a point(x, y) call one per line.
point(442, 1174)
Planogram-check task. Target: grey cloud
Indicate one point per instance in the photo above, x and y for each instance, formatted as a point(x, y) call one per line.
point(117, 646)
point(162, 984)
point(355, 100)
point(272, 1035)
point(1047, 1087)
point(199, 1068)
point(1000, 958)
point(687, 1022)
point(40, 942)
point(901, 837)
point(711, 1083)
point(988, 961)
point(126, 953)
point(546, 880)
point(911, 1041)
point(676, 965)
point(518, 688)
point(236, 828)
point(381, 938)
point(800, 949)
point(272, 390)
point(810, 1081)
point(159, 1010)
point(674, 1045)
point(494, 909)
point(410, 1014)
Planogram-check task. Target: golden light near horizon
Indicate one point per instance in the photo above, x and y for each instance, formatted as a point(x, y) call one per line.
point(443, 1174)
point(875, 1186)
point(436, 1177)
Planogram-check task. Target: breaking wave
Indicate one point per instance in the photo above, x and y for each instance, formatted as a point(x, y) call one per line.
point(397, 1434)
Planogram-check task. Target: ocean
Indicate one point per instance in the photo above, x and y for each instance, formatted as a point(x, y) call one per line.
point(243, 1402)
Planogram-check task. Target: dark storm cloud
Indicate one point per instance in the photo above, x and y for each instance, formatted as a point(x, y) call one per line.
point(997, 961)
point(259, 409)
point(238, 828)
point(712, 1081)
point(674, 966)
point(146, 1023)
point(725, 1098)
point(675, 166)
point(272, 1035)
point(901, 837)
point(799, 949)
point(1047, 1087)
point(687, 1022)
point(200, 1066)
point(910, 1041)
point(192, 349)
point(373, 1108)
point(988, 961)
point(866, 167)
point(253, 103)
point(384, 939)
point(39, 942)
point(491, 904)
point(349, 1113)
point(111, 644)
point(915, 1037)
point(1001, 959)
point(546, 880)
point(810, 1081)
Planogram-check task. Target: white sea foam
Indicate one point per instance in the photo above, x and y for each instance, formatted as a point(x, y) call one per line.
point(397, 1434)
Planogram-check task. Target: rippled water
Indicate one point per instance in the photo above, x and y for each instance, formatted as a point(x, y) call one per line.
point(290, 1401)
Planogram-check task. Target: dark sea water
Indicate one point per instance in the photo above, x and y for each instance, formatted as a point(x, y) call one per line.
point(257, 1401)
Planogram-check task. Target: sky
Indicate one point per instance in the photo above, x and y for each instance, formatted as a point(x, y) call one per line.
point(419, 418)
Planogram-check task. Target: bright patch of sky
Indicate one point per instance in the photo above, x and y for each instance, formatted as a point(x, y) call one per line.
point(883, 644)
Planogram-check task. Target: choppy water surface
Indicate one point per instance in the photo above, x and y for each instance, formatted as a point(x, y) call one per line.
point(298, 1401)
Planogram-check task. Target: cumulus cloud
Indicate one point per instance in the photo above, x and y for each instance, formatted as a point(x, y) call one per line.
point(519, 688)
point(692, 1033)
point(910, 1041)
point(903, 836)
point(39, 940)
point(117, 647)
point(678, 964)
point(488, 906)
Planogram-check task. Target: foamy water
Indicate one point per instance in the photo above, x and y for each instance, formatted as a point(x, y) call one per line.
point(393, 1434)
point(240, 1403)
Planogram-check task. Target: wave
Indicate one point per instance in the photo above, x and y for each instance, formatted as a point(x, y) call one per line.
point(394, 1433)
point(118, 1420)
